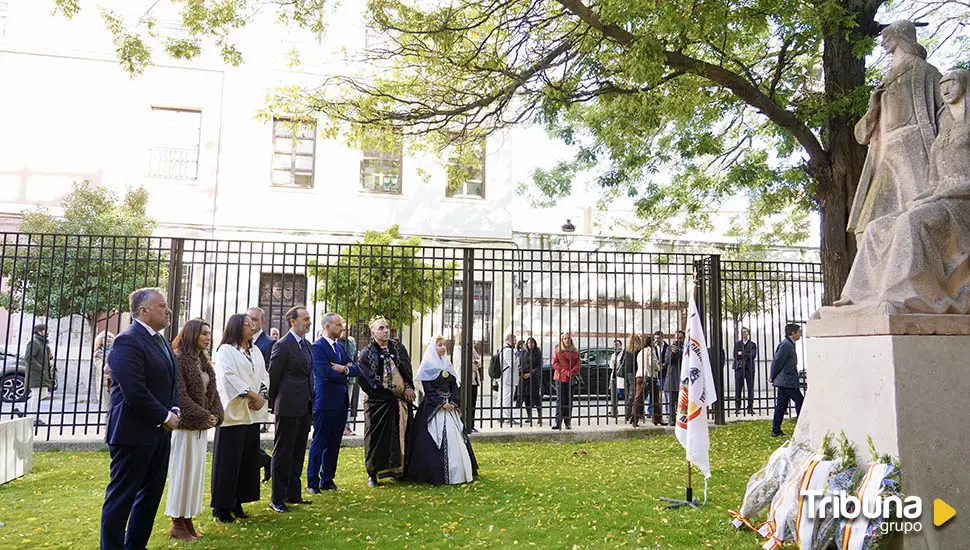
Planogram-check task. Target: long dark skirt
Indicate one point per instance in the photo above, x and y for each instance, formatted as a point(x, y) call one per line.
point(235, 466)
point(531, 389)
point(427, 463)
point(386, 426)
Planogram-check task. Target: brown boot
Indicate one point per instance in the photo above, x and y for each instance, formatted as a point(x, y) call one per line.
point(191, 528)
point(179, 531)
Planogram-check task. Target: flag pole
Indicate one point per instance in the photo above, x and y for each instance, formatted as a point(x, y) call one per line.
point(689, 501)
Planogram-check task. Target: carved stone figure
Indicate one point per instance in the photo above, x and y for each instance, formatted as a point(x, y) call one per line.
point(919, 261)
point(899, 128)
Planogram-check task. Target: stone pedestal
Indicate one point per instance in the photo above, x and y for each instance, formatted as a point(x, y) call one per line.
point(904, 380)
point(16, 448)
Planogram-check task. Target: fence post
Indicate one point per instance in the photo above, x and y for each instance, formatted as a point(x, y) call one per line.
point(467, 336)
point(716, 336)
point(175, 253)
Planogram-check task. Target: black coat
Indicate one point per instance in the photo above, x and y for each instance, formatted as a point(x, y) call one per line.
point(784, 369)
point(745, 354)
point(290, 380)
point(530, 362)
point(671, 381)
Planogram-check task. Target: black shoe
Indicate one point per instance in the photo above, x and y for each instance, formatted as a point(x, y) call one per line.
point(568, 427)
point(330, 487)
point(222, 516)
point(313, 490)
point(300, 501)
point(474, 430)
point(278, 508)
point(372, 481)
point(238, 512)
point(556, 427)
point(777, 434)
point(751, 412)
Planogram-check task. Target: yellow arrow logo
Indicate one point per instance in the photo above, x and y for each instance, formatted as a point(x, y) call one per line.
point(942, 512)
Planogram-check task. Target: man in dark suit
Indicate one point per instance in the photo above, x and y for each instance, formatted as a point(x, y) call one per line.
point(331, 365)
point(745, 353)
point(784, 375)
point(291, 400)
point(265, 345)
point(142, 413)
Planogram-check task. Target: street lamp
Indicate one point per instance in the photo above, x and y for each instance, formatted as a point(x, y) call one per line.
point(568, 228)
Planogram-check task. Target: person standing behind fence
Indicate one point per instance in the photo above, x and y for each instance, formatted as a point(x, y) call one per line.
point(647, 369)
point(102, 347)
point(662, 352)
point(38, 354)
point(291, 400)
point(633, 345)
point(784, 375)
point(510, 374)
point(671, 381)
point(616, 374)
point(745, 354)
point(243, 385)
point(530, 365)
point(201, 411)
point(143, 412)
point(350, 346)
point(565, 366)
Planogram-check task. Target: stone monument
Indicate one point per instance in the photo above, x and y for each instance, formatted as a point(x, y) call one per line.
point(890, 360)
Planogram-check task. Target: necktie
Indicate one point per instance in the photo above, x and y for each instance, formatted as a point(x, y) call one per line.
point(160, 340)
point(306, 352)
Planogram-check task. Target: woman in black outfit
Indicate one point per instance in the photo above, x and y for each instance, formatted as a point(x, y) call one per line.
point(530, 367)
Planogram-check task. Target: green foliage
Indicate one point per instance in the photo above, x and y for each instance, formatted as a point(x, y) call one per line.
point(383, 274)
point(86, 261)
point(749, 285)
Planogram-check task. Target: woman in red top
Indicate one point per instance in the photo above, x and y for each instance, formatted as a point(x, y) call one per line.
point(565, 365)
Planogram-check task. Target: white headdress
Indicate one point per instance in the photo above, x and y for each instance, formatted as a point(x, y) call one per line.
point(432, 365)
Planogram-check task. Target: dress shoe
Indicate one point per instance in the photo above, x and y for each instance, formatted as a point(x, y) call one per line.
point(313, 490)
point(300, 501)
point(777, 434)
point(239, 513)
point(568, 427)
point(278, 508)
point(222, 515)
point(372, 481)
point(330, 487)
point(556, 427)
point(751, 412)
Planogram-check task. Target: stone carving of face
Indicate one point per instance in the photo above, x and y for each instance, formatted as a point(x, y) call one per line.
point(952, 90)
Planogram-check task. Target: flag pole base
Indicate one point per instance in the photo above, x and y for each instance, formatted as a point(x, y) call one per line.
point(674, 503)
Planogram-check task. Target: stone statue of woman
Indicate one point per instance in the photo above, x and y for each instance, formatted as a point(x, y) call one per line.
point(899, 128)
point(919, 261)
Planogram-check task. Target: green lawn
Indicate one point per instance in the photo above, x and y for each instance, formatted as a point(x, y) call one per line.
point(544, 495)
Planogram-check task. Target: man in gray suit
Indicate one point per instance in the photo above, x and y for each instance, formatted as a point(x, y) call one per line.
point(784, 375)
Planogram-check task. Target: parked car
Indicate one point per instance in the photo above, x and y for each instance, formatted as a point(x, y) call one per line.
point(594, 373)
point(13, 378)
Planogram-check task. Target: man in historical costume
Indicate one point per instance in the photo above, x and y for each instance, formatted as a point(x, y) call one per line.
point(385, 377)
point(899, 128)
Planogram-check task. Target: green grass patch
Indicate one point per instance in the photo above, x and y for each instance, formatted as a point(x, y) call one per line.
point(545, 495)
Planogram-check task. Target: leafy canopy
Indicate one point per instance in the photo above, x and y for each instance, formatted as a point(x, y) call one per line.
point(87, 260)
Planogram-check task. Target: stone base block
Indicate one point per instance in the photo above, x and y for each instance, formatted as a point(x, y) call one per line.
point(904, 381)
point(16, 448)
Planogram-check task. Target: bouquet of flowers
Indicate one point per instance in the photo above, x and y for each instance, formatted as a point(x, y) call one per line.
point(879, 480)
point(764, 484)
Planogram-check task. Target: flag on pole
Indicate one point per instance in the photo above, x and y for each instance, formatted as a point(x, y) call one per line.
point(697, 392)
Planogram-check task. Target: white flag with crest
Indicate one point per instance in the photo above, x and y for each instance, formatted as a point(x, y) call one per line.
point(697, 393)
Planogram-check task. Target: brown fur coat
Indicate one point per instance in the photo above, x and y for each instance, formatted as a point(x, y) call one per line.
point(197, 402)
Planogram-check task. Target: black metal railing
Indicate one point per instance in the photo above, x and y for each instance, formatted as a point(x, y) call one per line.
point(473, 297)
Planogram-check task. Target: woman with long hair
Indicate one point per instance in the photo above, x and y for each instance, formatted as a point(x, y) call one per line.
point(243, 386)
point(201, 410)
point(530, 367)
point(565, 365)
point(633, 345)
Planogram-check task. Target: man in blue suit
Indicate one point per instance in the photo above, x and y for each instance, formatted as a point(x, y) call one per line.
point(142, 413)
point(331, 365)
point(784, 375)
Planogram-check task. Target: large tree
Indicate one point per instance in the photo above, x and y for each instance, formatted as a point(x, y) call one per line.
point(679, 104)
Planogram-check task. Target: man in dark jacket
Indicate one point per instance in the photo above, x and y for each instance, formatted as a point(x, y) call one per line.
point(784, 375)
point(745, 353)
point(265, 346)
point(39, 356)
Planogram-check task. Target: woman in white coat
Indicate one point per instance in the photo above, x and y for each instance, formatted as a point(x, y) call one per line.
point(243, 385)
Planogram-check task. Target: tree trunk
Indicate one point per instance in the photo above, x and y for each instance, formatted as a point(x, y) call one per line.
point(838, 176)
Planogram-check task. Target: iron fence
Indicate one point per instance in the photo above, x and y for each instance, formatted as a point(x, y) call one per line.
point(472, 297)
